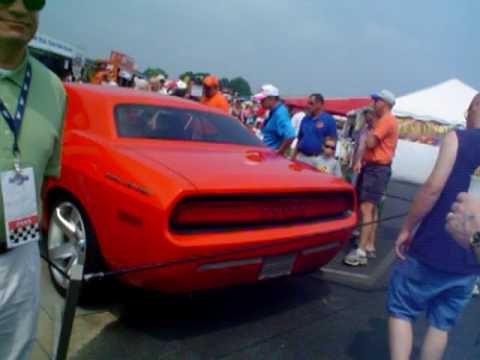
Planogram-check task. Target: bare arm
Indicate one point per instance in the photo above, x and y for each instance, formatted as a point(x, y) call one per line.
point(295, 153)
point(281, 150)
point(431, 190)
point(429, 193)
point(362, 145)
point(358, 156)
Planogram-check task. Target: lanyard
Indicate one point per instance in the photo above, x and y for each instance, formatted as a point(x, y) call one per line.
point(14, 123)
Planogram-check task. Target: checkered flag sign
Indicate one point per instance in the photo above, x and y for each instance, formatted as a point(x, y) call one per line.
point(23, 231)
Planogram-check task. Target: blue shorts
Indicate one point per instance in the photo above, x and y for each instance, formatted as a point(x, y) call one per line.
point(416, 287)
point(373, 181)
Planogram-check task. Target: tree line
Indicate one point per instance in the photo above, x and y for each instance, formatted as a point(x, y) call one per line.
point(237, 85)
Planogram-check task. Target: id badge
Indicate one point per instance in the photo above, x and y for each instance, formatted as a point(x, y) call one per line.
point(20, 207)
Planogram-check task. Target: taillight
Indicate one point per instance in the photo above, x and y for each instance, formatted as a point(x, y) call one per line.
point(220, 212)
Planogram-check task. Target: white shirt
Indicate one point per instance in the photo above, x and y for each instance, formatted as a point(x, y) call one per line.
point(297, 120)
point(328, 165)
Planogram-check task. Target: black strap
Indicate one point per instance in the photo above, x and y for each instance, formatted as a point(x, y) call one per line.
point(14, 123)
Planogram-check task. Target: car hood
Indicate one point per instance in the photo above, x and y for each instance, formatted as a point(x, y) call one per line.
point(219, 168)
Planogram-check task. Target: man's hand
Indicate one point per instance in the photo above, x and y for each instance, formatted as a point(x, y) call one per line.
point(464, 219)
point(403, 243)
point(285, 145)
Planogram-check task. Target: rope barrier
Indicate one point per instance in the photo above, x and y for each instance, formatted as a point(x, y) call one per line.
point(237, 251)
point(55, 266)
point(187, 260)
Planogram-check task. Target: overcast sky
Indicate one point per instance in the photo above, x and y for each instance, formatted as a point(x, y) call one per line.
point(340, 47)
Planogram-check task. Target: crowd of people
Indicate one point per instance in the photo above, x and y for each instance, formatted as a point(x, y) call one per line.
point(438, 246)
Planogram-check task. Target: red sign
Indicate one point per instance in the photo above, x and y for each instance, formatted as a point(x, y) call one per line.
point(20, 223)
point(122, 61)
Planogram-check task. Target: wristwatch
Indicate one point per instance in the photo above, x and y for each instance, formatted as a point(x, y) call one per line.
point(475, 244)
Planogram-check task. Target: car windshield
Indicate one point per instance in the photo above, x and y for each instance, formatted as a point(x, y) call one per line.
point(166, 123)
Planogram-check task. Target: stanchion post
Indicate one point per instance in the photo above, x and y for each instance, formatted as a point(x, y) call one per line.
point(71, 301)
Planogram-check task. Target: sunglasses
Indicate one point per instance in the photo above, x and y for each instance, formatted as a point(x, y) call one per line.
point(332, 147)
point(31, 5)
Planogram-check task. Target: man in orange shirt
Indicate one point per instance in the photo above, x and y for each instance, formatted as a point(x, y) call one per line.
point(375, 172)
point(212, 96)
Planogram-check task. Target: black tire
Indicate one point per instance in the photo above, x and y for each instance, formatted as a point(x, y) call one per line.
point(93, 262)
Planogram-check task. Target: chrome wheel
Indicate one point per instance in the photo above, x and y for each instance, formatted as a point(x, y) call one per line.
point(67, 242)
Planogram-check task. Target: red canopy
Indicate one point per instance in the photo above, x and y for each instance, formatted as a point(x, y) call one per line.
point(336, 106)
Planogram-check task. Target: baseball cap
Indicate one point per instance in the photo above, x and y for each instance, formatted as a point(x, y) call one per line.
point(267, 90)
point(210, 81)
point(384, 95)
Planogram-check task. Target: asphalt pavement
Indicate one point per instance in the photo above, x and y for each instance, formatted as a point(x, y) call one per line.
point(335, 314)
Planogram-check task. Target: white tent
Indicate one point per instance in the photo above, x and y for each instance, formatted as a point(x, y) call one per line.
point(445, 103)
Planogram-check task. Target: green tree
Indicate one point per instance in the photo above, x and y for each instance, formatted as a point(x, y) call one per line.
point(197, 77)
point(151, 72)
point(186, 75)
point(240, 86)
point(224, 83)
point(237, 85)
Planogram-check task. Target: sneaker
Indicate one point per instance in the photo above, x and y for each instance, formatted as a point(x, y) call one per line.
point(371, 254)
point(356, 257)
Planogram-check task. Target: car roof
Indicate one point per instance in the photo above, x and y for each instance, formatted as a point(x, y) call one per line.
point(127, 95)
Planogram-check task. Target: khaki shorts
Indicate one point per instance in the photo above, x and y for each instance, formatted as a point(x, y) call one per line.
point(19, 301)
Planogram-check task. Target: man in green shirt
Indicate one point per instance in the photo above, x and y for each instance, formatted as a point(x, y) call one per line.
point(39, 143)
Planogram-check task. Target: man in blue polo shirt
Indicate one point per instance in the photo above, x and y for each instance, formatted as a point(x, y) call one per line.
point(316, 126)
point(278, 132)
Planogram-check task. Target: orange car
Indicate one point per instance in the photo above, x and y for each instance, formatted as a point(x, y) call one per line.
point(149, 179)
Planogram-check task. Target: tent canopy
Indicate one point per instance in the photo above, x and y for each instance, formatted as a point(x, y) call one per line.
point(336, 106)
point(445, 103)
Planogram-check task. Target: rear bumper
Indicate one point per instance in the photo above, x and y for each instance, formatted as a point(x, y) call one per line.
point(238, 266)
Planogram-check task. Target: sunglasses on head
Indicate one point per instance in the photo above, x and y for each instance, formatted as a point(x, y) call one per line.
point(31, 5)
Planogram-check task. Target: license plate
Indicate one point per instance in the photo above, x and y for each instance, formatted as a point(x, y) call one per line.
point(276, 266)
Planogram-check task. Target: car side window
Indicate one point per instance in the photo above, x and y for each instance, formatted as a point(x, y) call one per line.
point(202, 128)
point(168, 123)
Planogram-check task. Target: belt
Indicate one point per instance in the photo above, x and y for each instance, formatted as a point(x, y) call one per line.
point(377, 164)
point(312, 154)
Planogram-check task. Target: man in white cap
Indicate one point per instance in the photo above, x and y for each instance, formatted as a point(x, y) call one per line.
point(278, 132)
point(375, 172)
